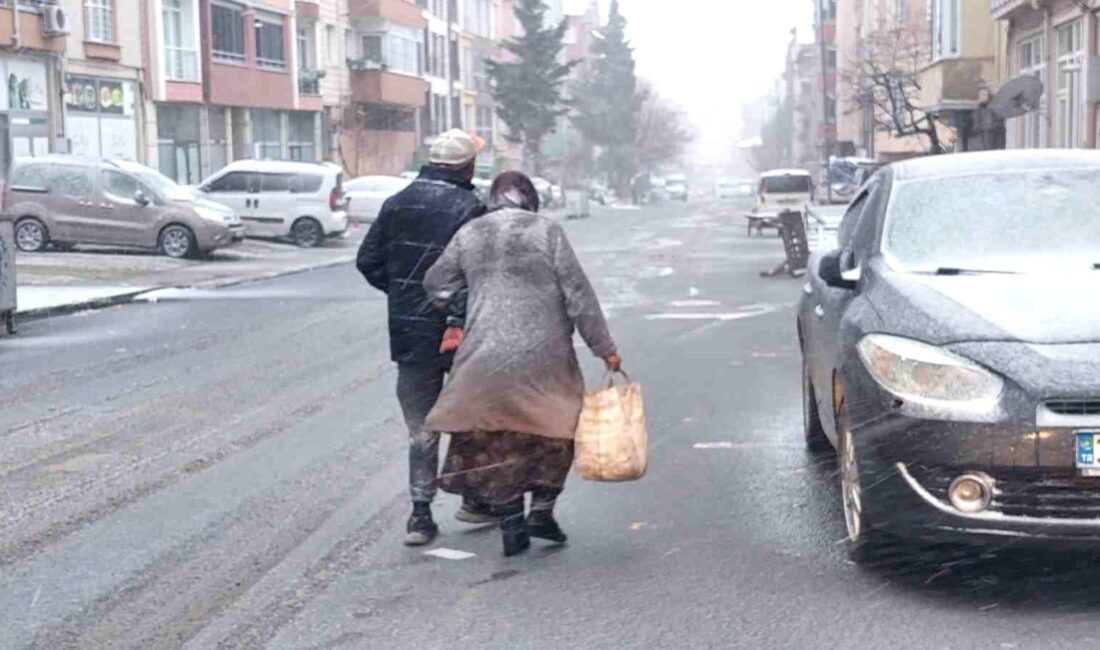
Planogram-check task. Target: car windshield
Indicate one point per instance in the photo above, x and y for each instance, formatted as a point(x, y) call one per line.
point(159, 182)
point(1027, 221)
point(790, 184)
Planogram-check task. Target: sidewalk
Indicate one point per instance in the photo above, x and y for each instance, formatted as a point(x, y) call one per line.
point(52, 283)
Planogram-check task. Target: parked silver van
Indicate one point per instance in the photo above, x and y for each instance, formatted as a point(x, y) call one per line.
point(67, 200)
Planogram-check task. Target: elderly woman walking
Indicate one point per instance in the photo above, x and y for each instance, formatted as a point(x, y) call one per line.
point(515, 393)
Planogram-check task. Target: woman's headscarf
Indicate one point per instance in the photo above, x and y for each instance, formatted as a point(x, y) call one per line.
point(513, 190)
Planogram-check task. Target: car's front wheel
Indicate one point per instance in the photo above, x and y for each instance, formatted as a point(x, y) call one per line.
point(177, 242)
point(812, 429)
point(31, 235)
point(863, 540)
point(307, 232)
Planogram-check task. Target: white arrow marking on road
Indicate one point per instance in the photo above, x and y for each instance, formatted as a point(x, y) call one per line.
point(450, 554)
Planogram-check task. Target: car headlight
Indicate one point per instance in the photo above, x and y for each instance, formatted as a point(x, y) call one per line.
point(213, 215)
point(927, 374)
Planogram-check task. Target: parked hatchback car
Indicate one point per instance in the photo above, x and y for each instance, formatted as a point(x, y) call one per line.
point(366, 194)
point(302, 201)
point(67, 200)
point(951, 349)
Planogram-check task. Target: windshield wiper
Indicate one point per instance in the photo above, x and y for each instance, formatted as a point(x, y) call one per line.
point(951, 270)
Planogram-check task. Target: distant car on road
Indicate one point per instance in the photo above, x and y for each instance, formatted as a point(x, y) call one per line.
point(951, 349)
point(733, 189)
point(302, 201)
point(68, 200)
point(366, 194)
point(676, 185)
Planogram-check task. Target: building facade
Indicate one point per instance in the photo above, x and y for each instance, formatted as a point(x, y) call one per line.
point(31, 61)
point(1055, 41)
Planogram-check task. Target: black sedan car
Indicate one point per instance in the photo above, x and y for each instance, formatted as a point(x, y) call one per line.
point(951, 349)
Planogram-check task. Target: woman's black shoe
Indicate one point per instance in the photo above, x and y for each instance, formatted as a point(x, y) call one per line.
point(541, 524)
point(514, 533)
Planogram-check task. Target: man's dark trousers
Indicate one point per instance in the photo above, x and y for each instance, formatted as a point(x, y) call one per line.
point(418, 388)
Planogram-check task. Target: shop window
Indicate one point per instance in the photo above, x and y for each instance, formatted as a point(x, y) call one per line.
point(266, 138)
point(302, 135)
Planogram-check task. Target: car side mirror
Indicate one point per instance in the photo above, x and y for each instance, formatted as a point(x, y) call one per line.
point(141, 198)
point(831, 271)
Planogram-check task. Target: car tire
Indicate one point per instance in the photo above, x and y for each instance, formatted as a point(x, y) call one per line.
point(863, 542)
point(307, 232)
point(177, 241)
point(813, 431)
point(31, 235)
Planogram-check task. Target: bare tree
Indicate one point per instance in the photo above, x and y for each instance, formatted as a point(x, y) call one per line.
point(887, 83)
point(663, 131)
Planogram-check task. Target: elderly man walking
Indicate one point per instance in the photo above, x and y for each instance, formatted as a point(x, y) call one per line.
point(411, 232)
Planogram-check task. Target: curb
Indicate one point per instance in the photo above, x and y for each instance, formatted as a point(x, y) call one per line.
point(131, 296)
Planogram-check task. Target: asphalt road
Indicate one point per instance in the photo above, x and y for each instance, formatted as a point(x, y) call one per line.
point(227, 468)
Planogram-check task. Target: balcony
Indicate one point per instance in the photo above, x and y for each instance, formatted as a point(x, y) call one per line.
point(1005, 9)
point(401, 12)
point(309, 81)
point(955, 84)
point(371, 83)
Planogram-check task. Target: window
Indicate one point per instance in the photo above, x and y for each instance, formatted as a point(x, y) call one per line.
point(119, 186)
point(301, 137)
point(227, 26)
point(270, 49)
point(478, 17)
point(180, 56)
point(232, 182)
point(70, 183)
point(1071, 94)
point(99, 21)
point(397, 53)
point(31, 177)
point(945, 29)
point(1032, 61)
point(305, 61)
point(306, 183)
point(437, 55)
point(485, 123)
point(266, 134)
point(275, 182)
point(332, 56)
point(439, 114)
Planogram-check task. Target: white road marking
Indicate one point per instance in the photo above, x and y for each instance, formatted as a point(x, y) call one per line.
point(713, 445)
point(450, 554)
point(695, 303)
point(693, 291)
point(729, 316)
point(666, 272)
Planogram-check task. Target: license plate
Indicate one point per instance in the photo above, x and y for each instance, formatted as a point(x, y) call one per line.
point(1088, 460)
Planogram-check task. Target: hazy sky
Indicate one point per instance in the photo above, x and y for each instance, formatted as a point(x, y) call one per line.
point(710, 55)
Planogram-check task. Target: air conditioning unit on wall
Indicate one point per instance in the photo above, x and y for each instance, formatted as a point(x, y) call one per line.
point(55, 21)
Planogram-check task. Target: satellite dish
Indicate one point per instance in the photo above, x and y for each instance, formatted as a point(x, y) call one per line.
point(1017, 97)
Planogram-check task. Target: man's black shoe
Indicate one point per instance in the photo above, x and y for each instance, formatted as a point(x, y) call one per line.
point(420, 529)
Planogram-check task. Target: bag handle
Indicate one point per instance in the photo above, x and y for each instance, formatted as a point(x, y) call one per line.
point(609, 377)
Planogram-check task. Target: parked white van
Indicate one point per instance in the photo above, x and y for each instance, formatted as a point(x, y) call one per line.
point(302, 201)
point(784, 189)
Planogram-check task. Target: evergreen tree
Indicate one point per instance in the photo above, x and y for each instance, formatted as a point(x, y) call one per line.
point(607, 102)
point(528, 90)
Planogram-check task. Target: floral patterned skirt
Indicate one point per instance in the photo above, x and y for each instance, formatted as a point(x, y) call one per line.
point(499, 467)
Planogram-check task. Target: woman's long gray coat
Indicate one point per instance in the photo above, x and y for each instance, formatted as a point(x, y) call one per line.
point(516, 369)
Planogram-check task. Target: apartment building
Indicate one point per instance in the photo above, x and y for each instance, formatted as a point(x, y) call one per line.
point(104, 112)
point(442, 68)
point(477, 42)
point(387, 99)
point(1056, 41)
point(825, 82)
point(223, 84)
point(966, 69)
point(888, 32)
point(33, 40)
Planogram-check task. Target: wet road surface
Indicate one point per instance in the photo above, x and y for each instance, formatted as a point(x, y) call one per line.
point(227, 469)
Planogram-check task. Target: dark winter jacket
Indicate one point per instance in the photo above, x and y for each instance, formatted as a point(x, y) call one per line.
point(411, 232)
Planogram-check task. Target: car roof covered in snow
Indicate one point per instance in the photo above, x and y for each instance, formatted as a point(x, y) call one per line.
point(992, 162)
